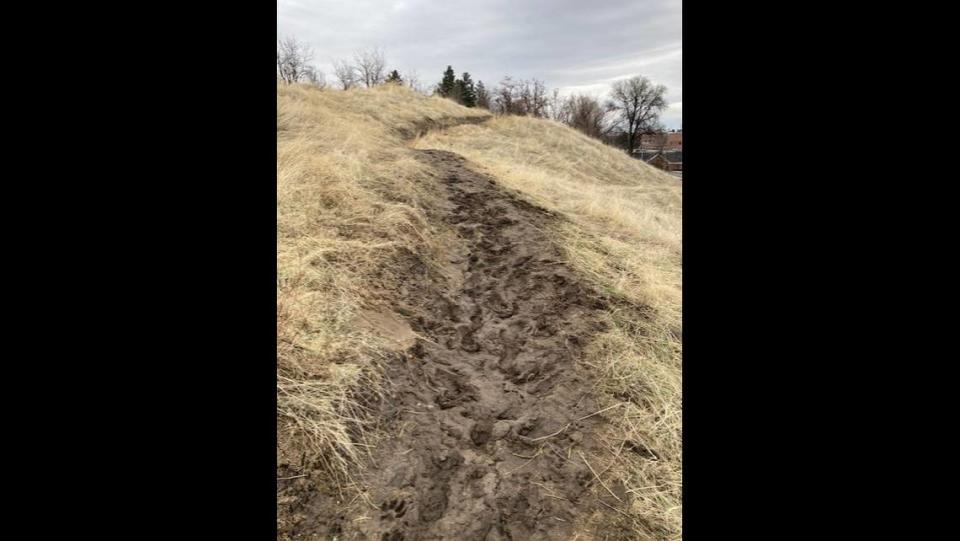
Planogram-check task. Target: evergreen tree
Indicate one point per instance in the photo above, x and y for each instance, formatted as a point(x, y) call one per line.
point(468, 94)
point(448, 84)
point(483, 98)
point(394, 77)
point(457, 94)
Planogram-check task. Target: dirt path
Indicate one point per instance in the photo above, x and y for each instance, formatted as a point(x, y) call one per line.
point(490, 412)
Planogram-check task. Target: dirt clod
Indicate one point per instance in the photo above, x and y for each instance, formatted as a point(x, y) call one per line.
point(500, 429)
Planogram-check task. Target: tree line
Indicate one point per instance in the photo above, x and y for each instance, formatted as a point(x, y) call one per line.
point(367, 68)
point(632, 110)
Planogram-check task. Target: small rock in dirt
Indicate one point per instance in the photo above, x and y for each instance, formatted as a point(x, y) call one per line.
point(500, 429)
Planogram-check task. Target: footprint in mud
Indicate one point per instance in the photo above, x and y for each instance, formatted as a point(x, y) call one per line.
point(456, 391)
point(500, 306)
point(508, 353)
point(544, 327)
point(393, 509)
point(480, 433)
point(468, 342)
point(434, 504)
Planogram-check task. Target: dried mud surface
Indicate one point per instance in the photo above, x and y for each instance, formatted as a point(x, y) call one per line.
point(489, 412)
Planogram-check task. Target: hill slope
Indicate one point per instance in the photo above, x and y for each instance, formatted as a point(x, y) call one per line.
point(478, 330)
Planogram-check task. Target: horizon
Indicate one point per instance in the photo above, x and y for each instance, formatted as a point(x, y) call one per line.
point(575, 48)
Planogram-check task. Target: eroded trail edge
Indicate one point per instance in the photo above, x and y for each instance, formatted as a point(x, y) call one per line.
point(490, 411)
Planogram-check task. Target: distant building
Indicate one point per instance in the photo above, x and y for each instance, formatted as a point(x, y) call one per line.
point(668, 161)
point(645, 155)
point(652, 142)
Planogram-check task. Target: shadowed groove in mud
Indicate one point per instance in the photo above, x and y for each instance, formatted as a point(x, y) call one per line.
point(489, 407)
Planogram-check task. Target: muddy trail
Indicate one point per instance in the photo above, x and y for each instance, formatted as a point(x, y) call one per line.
point(490, 413)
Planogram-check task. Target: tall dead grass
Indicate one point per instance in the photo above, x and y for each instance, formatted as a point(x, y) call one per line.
point(348, 198)
point(351, 197)
point(624, 235)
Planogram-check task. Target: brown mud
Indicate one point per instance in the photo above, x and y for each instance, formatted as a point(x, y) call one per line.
point(489, 411)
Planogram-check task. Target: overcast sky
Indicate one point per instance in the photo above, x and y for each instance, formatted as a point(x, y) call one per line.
point(574, 45)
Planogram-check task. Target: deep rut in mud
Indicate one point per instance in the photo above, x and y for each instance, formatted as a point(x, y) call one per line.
point(490, 412)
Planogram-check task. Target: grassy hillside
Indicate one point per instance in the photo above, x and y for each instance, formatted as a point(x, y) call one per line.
point(351, 197)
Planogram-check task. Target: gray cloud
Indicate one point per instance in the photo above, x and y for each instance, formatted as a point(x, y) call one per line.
point(573, 45)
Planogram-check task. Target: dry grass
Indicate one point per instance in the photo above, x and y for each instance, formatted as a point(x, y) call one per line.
point(347, 201)
point(350, 199)
point(625, 236)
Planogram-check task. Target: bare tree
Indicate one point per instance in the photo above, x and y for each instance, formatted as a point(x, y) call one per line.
point(557, 107)
point(371, 66)
point(413, 82)
point(503, 96)
point(638, 103)
point(587, 114)
point(532, 98)
point(293, 61)
point(345, 73)
point(315, 77)
point(537, 104)
point(521, 97)
point(524, 98)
